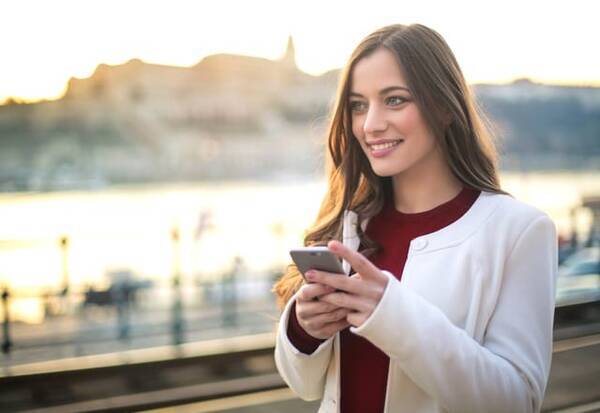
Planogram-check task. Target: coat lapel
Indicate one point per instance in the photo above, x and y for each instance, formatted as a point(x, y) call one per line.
point(350, 236)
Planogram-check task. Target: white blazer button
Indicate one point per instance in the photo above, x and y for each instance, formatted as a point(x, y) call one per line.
point(420, 244)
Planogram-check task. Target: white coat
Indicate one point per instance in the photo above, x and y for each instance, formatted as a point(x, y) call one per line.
point(467, 329)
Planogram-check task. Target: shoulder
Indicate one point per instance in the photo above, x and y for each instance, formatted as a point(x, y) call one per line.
point(514, 217)
point(512, 208)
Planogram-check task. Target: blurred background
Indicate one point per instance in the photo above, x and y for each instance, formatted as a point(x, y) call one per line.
point(159, 159)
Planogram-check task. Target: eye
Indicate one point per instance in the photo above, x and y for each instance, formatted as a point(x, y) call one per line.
point(357, 106)
point(395, 100)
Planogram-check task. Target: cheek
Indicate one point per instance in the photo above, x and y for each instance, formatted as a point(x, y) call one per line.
point(411, 123)
point(357, 127)
point(410, 119)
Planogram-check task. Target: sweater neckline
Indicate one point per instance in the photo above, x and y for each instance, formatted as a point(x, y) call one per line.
point(464, 198)
point(483, 207)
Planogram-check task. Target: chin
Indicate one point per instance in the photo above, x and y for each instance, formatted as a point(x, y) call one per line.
point(383, 172)
point(386, 169)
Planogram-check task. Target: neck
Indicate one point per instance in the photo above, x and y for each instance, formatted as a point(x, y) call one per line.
point(424, 187)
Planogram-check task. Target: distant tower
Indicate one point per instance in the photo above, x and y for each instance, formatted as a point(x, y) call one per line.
point(289, 58)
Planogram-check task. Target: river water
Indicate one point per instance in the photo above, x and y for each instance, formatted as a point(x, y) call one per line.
point(130, 227)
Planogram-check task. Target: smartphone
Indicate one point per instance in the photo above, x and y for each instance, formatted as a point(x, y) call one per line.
point(316, 258)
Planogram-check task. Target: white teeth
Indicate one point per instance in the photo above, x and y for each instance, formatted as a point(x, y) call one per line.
point(384, 145)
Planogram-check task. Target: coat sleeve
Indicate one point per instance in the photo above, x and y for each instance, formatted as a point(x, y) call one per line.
point(305, 374)
point(509, 370)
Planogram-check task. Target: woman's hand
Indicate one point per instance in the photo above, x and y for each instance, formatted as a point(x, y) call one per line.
point(359, 293)
point(319, 319)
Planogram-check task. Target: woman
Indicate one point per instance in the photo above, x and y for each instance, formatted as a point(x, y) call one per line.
point(450, 302)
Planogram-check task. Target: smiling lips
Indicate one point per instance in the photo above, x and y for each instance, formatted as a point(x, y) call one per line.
point(382, 148)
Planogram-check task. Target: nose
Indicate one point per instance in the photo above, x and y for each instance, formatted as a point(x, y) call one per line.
point(375, 120)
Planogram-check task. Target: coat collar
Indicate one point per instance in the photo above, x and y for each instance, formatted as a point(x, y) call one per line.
point(446, 237)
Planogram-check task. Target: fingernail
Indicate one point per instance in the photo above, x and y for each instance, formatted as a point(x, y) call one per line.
point(310, 274)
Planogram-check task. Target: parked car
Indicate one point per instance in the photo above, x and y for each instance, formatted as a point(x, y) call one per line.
point(579, 278)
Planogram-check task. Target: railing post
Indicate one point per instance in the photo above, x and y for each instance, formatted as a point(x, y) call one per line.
point(123, 297)
point(64, 290)
point(6, 341)
point(574, 232)
point(229, 291)
point(64, 248)
point(177, 310)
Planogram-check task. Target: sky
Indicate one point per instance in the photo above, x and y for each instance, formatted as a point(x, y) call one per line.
point(44, 43)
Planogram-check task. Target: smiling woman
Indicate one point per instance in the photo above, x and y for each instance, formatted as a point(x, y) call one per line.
point(447, 300)
point(383, 117)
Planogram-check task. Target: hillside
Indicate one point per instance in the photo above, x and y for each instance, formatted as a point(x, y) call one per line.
point(238, 117)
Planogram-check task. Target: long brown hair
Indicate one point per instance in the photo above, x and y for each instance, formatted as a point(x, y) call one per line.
point(449, 108)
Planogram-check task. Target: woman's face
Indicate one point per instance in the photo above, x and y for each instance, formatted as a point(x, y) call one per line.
point(386, 120)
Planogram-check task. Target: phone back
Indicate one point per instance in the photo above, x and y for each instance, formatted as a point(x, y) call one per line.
point(317, 258)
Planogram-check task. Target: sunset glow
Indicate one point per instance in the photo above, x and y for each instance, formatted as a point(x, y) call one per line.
point(494, 42)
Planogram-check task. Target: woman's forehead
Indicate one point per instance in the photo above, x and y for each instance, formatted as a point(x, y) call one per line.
point(376, 72)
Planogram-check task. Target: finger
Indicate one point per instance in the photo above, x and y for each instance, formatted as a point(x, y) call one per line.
point(334, 316)
point(322, 320)
point(312, 308)
point(335, 281)
point(355, 318)
point(332, 328)
point(309, 292)
point(356, 260)
point(350, 301)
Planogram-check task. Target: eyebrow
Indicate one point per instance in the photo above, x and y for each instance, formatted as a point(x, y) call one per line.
point(383, 91)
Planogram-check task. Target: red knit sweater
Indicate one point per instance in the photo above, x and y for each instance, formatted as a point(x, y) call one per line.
point(363, 366)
